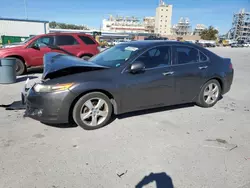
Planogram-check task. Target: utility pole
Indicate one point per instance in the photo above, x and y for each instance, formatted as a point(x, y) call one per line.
point(25, 9)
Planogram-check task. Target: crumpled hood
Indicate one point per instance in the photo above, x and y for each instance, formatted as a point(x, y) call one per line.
point(58, 65)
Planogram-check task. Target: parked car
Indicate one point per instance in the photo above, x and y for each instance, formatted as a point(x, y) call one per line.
point(128, 77)
point(246, 44)
point(30, 52)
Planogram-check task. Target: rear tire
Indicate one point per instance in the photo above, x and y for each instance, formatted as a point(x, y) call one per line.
point(20, 67)
point(92, 111)
point(209, 94)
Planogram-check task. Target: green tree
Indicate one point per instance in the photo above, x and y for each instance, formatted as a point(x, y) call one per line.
point(209, 34)
point(52, 24)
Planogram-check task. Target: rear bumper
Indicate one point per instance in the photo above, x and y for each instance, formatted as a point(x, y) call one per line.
point(227, 82)
point(49, 107)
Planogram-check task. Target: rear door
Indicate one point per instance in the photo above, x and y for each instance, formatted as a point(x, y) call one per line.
point(190, 71)
point(68, 42)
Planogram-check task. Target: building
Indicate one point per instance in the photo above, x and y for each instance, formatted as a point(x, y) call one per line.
point(241, 26)
point(182, 28)
point(22, 27)
point(163, 19)
point(198, 29)
point(149, 24)
point(123, 24)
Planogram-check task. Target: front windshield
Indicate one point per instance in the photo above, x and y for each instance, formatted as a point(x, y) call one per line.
point(27, 40)
point(115, 56)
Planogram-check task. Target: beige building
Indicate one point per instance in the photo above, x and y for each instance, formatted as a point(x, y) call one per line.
point(163, 19)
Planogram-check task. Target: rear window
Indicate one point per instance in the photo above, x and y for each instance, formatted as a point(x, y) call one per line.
point(86, 39)
point(62, 40)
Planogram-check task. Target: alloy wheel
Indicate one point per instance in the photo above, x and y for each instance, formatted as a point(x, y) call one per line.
point(94, 111)
point(211, 93)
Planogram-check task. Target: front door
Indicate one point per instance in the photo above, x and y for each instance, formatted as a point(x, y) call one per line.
point(153, 87)
point(36, 55)
point(190, 71)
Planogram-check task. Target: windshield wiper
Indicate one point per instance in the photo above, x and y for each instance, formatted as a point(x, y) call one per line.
point(55, 47)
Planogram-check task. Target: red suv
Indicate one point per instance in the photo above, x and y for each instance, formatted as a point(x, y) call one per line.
point(30, 52)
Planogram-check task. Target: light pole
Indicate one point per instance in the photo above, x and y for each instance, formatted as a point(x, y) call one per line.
point(25, 9)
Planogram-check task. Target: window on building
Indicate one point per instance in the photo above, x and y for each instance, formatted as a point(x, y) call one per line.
point(161, 16)
point(161, 20)
point(166, 21)
point(86, 39)
point(62, 40)
point(166, 16)
point(186, 55)
point(161, 9)
point(156, 57)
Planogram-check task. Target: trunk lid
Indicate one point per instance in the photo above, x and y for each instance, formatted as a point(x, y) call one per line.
point(58, 65)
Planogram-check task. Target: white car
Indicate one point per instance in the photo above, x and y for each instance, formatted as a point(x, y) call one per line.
point(246, 45)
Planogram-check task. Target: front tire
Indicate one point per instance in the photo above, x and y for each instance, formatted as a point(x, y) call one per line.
point(20, 67)
point(209, 94)
point(92, 111)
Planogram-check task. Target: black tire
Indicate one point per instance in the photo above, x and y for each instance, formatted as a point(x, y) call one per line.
point(201, 99)
point(20, 67)
point(86, 57)
point(78, 109)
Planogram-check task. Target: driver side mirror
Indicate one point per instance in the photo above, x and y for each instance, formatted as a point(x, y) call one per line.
point(35, 46)
point(137, 67)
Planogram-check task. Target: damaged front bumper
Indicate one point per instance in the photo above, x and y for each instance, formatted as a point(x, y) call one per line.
point(51, 107)
point(25, 91)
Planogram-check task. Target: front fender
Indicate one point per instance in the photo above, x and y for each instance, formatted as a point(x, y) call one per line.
point(108, 89)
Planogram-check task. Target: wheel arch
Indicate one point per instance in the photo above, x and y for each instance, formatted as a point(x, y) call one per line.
point(217, 79)
point(19, 57)
point(86, 54)
point(108, 94)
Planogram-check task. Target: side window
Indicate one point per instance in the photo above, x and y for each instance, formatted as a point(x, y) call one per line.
point(86, 40)
point(62, 40)
point(47, 40)
point(186, 55)
point(203, 57)
point(156, 57)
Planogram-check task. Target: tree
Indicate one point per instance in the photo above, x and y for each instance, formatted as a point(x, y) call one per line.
point(209, 34)
point(66, 26)
point(52, 24)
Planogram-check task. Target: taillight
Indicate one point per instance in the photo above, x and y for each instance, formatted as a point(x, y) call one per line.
point(231, 66)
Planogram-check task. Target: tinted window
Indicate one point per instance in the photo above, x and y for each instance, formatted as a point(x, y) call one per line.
point(186, 55)
point(156, 57)
point(203, 57)
point(65, 40)
point(86, 40)
point(46, 40)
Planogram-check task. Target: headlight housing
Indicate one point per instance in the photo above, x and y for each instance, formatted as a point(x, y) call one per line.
point(40, 88)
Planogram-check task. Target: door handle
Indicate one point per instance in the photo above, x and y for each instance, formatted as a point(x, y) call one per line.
point(168, 73)
point(204, 67)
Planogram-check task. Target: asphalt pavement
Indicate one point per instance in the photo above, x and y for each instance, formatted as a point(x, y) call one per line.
point(181, 147)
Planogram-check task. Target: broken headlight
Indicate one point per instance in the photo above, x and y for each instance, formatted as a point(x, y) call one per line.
point(40, 88)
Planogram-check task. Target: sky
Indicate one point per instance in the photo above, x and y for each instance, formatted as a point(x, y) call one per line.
point(218, 13)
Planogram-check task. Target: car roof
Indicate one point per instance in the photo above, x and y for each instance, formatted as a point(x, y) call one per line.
point(148, 43)
point(64, 33)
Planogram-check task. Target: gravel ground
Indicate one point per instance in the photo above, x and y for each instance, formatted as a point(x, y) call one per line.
point(190, 147)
